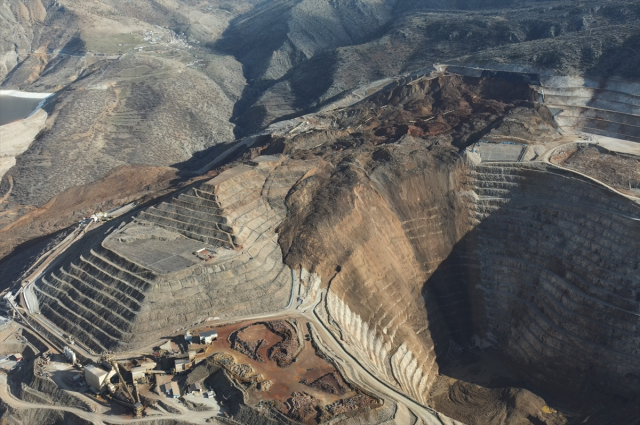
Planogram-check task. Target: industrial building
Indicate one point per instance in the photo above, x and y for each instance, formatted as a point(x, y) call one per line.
point(182, 364)
point(171, 389)
point(97, 377)
point(146, 363)
point(205, 254)
point(140, 368)
point(195, 388)
point(208, 337)
point(138, 373)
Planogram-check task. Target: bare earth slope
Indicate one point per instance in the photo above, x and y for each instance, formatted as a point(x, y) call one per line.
point(427, 256)
point(116, 105)
point(375, 40)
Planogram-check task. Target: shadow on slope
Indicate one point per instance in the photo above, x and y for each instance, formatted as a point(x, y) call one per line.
point(520, 295)
point(302, 86)
point(288, 52)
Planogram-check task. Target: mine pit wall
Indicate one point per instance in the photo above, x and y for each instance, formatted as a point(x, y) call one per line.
point(400, 227)
point(95, 297)
point(538, 261)
point(256, 281)
point(559, 257)
point(608, 108)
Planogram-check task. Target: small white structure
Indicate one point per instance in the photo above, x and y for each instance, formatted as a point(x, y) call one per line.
point(97, 377)
point(205, 254)
point(100, 216)
point(188, 337)
point(208, 337)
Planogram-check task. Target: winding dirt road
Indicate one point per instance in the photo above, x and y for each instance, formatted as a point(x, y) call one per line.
point(357, 373)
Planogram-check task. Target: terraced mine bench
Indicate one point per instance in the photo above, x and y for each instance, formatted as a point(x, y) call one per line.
point(144, 279)
point(608, 108)
point(554, 255)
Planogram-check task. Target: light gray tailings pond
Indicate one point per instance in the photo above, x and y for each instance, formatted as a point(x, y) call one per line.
point(14, 108)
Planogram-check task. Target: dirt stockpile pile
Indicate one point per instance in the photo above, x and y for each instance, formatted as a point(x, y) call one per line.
point(303, 407)
point(240, 341)
point(248, 341)
point(242, 372)
point(473, 404)
point(249, 349)
point(351, 404)
point(284, 352)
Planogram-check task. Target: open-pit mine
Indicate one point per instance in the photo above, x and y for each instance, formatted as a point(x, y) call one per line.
point(229, 242)
point(429, 251)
